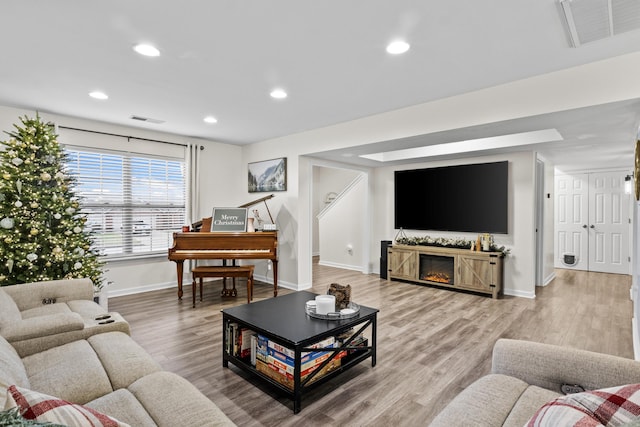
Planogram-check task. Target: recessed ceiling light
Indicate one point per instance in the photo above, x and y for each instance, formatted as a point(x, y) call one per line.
point(398, 47)
point(278, 94)
point(98, 95)
point(210, 119)
point(146, 50)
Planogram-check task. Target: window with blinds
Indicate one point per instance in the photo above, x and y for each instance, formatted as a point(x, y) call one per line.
point(133, 202)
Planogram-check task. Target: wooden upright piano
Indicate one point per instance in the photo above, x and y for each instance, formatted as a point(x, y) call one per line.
point(225, 246)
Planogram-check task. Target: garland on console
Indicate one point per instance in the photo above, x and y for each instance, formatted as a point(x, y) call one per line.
point(456, 242)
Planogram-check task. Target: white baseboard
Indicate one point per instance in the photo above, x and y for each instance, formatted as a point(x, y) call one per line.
point(548, 279)
point(144, 288)
point(521, 294)
point(187, 282)
point(281, 283)
point(343, 266)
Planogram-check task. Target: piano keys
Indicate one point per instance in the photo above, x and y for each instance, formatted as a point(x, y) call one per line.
point(224, 246)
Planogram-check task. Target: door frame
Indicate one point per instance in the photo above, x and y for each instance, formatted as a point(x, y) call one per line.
point(539, 223)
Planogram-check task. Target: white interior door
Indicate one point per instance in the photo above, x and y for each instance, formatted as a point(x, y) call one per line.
point(609, 224)
point(572, 216)
point(592, 222)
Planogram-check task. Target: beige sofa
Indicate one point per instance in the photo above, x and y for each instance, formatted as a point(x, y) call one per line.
point(527, 375)
point(113, 375)
point(42, 315)
point(55, 344)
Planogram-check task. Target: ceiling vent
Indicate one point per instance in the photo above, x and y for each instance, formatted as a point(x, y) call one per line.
point(146, 119)
point(591, 20)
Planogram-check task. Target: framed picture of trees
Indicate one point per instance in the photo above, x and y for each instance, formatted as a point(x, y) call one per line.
point(268, 175)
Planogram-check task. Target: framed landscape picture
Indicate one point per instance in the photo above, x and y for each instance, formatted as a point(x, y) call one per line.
point(268, 175)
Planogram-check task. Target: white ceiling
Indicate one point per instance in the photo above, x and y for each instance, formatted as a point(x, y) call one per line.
point(222, 58)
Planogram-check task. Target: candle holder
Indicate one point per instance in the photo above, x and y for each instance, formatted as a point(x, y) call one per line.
point(352, 310)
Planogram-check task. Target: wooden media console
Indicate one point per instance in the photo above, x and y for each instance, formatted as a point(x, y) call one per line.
point(447, 267)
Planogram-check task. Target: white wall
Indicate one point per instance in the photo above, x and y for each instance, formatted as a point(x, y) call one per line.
point(220, 184)
point(327, 180)
point(592, 84)
point(548, 271)
point(635, 279)
point(342, 230)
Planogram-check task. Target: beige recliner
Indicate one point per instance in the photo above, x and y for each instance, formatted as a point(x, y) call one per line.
point(527, 375)
point(37, 316)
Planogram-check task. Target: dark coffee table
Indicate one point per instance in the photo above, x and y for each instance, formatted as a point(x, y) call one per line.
point(284, 321)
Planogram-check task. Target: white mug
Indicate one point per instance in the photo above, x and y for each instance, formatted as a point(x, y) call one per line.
point(325, 304)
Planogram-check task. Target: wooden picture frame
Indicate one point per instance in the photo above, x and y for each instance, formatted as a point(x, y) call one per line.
point(267, 175)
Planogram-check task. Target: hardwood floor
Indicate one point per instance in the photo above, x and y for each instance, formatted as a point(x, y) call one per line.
point(431, 343)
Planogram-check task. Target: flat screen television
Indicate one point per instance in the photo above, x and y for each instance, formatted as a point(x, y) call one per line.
point(465, 198)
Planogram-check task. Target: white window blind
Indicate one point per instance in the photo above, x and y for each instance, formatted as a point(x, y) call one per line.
point(133, 202)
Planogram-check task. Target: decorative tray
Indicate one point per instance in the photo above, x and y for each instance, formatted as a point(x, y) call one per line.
point(352, 310)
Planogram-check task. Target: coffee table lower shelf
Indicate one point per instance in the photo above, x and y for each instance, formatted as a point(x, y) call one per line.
point(296, 394)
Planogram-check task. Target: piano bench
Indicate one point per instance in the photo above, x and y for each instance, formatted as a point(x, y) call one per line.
point(201, 272)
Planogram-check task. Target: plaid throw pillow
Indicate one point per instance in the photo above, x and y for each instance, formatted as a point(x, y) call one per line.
point(610, 407)
point(41, 407)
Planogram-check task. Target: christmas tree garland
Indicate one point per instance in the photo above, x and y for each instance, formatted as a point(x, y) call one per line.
point(42, 235)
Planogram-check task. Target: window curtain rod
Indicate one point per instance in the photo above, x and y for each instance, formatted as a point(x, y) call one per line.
point(127, 136)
